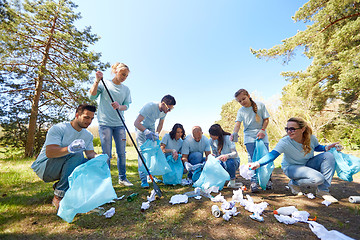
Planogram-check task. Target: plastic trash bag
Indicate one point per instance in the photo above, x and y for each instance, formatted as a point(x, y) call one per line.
point(177, 169)
point(213, 174)
point(90, 186)
point(154, 158)
point(263, 173)
point(346, 165)
point(324, 234)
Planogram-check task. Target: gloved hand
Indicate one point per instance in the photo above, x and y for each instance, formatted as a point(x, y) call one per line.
point(234, 137)
point(76, 146)
point(188, 166)
point(150, 135)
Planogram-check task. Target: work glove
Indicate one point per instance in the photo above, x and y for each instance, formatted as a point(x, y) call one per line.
point(188, 166)
point(76, 146)
point(150, 135)
point(234, 137)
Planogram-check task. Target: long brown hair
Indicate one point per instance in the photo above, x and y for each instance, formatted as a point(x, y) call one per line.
point(253, 104)
point(216, 130)
point(306, 134)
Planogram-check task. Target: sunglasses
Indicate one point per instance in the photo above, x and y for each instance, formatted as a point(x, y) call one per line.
point(168, 109)
point(291, 129)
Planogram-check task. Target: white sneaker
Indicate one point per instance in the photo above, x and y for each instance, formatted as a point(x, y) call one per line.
point(296, 190)
point(233, 184)
point(125, 182)
point(326, 195)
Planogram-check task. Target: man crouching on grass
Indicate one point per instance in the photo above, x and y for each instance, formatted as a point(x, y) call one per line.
point(63, 150)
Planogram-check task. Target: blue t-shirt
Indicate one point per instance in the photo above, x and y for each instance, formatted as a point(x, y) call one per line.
point(151, 113)
point(107, 115)
point(190, 145)
point(293, 151)
point(251, 126)
point(171, 143)
point(228, 147)
point(61, 134)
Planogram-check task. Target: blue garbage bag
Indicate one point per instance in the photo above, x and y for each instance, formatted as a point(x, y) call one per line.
point(263, 173)
point(177, 169)
point(90, 186)
point(346, 165)
point(213, 174)
point(154, 158)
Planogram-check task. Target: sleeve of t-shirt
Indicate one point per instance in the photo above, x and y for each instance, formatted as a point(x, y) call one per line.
point(264, 113)
point(54, 135)
point(239, 117)
point(280, 146)
point(127, 100)
point(100, 89)
point(185, 147)
point(165, 139)
point(144, 111)
point(207, 145)
point(90, 145)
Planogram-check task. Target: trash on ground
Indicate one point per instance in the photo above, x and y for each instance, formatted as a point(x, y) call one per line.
point(310, 195)
point(326, 202)
point(215, 211)
point(152, 196)
point(285, 210)
point(322, 233)
point(109, 213)
point(218, 198)
point(354, 199)
point(145, 205)
point(179, 198)
point(245, 172)
point(256, 216)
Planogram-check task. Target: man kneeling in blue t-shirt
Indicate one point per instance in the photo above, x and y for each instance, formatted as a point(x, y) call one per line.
point(63, 150)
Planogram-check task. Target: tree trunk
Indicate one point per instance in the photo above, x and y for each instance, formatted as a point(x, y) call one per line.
point(29, 147)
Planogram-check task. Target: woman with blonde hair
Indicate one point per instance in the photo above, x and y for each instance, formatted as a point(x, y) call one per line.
point(110, 125)
point(299, 162)
point(255, 118)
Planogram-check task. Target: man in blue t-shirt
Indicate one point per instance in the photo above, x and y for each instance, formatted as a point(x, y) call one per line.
point(63, 150)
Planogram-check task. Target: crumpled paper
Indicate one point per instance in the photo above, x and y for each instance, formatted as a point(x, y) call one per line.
point(109, 213)
point(237, 195)
point(245, 172)
point(218, 198)
point(285, 219)
point(322, 233)
point(145, 205)
point(179, 198)
point(326, 202)
point(152, 196)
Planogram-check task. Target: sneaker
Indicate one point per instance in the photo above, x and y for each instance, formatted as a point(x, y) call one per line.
point(145, 185)
point(56, 202)
point(295, 189)
point(155, 179)
point(326, 195)
point(234, 184)
point(254, 187)
point(269, 185)
point(125, 182)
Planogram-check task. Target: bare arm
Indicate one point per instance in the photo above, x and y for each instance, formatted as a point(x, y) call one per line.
point(55, 151)
point(90, 154)
point(237, 127)
point(160, 125)
point(138, 124)
point(207, 154)
point(184, 157)
point(94, 87)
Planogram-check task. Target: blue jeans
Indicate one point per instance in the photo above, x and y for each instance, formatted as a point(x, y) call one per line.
point(140, 140)
point(318, 172)
point(230, 166)
point(250, 148)
point(195, 158)
point(60, 169)
point(118, 133)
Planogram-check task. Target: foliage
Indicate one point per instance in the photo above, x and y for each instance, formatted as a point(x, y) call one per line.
point(328, 90)
point(44, 64)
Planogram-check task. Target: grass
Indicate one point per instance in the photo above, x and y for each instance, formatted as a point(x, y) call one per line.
point(26, 211)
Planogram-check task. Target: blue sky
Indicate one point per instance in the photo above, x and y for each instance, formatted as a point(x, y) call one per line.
point(196, 50)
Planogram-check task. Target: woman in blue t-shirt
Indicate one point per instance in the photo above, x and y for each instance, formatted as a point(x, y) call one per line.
point(299, 162)
point(171, 143)
point(225, 150)
point(255, 118)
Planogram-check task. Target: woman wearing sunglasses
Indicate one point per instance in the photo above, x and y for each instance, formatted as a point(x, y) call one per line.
point(299, 162)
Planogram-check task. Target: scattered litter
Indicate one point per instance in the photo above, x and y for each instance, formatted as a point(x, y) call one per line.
point(310, 195)
point(109, 213)
point(215, 211)
point(145, 205)
point(237, 195)
point(227, 205)
point(285, 219)
point(228, 213)
point(245, 172)
point(301, 216)
point(218, 198)
point(119, 198)
point(256, 216)
point(244, 188)
point(99, 210)
point(179, 198)
point(322, 233)
point(253, 207)
point(326, 203)
point(152, 196)
point(226, 216)
point(185, 182)
point(354, 199)
point(286, 210)
point(131, 197)
point(197, 197)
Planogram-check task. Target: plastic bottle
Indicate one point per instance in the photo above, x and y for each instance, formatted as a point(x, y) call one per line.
point(286, 210)
point(215, 211)
point(131, 197)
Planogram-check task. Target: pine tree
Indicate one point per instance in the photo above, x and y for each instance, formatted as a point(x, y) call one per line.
point(44, 63)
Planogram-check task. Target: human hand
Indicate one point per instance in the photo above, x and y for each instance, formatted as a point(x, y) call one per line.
point(223, 158)
point(336, 145)
point(234, 137)
point(115, 105)
point(99, 76)
point(175, 154)
point(253, 165)
point(150, 135)
point(76, 146)
point(261, 134)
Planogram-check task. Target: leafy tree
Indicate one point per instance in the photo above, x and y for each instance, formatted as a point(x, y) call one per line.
point(332, 41)
point(44, 64)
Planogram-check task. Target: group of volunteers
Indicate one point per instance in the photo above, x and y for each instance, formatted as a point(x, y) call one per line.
point(66, 142)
